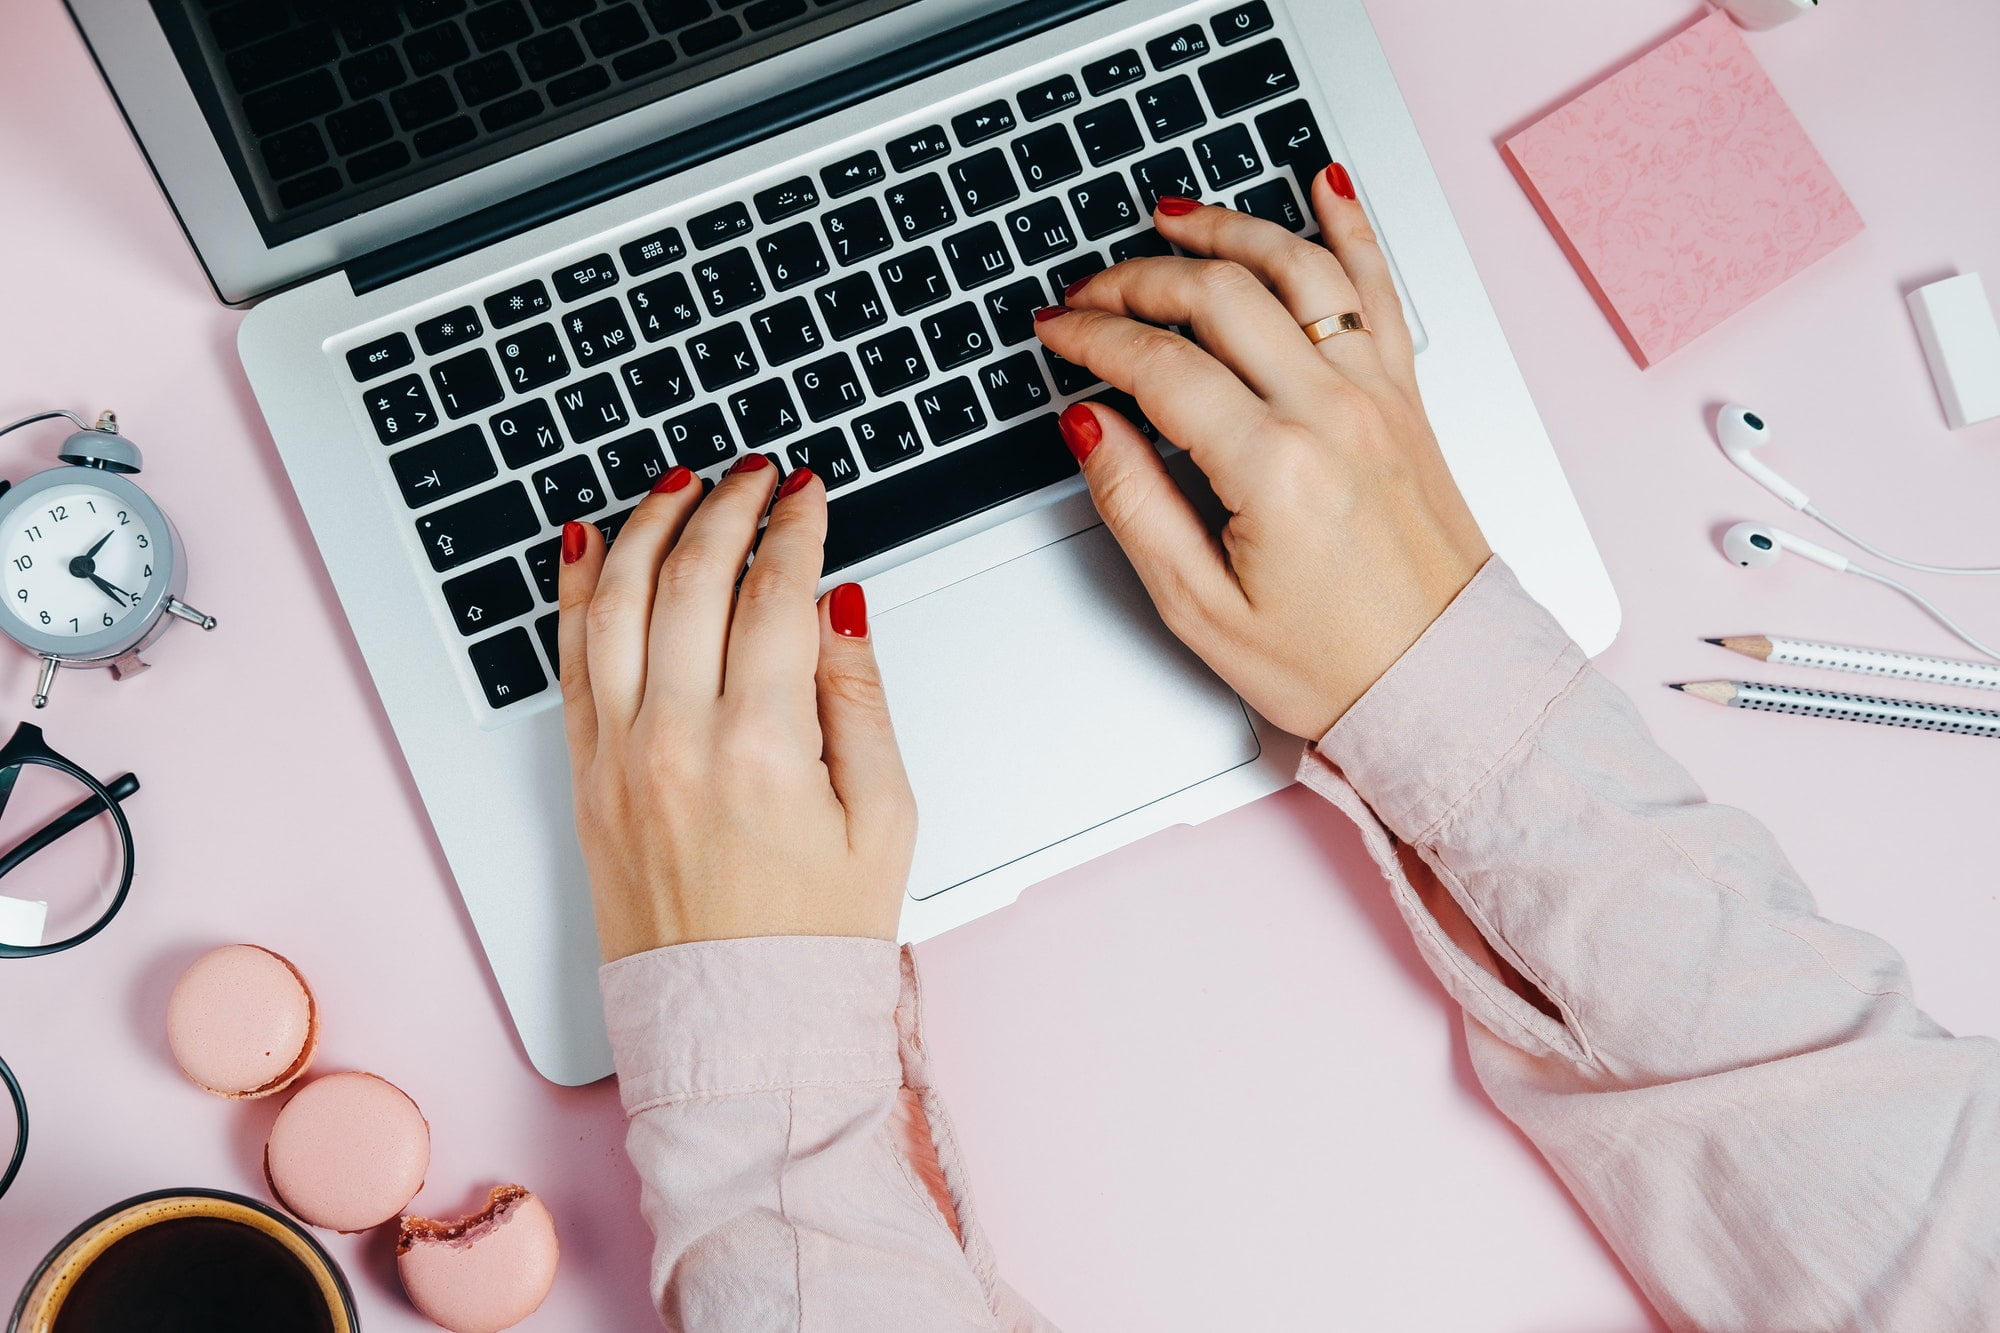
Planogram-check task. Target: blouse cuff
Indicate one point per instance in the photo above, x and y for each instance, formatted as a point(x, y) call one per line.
point(732, 1017)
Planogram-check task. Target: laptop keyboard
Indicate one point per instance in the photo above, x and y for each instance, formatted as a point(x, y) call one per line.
point(870, 318)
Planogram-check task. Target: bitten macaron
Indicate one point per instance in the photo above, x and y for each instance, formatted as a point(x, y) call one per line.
point(483, 1273)
point(348, 1152)
point(242, 1022)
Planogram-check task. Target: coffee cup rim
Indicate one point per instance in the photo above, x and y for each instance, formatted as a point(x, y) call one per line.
point(83, 1228)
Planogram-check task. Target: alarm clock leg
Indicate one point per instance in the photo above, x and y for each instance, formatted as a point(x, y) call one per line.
point(44, 681)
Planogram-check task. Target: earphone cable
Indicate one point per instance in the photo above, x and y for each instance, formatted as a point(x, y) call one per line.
point(1880, 554)
point(1936, 612)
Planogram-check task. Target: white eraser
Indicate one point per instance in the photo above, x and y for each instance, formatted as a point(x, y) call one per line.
point(1962, 343)
point(22, 922)
point(1758, 15)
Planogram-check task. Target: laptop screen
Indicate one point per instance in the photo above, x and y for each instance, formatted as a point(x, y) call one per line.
point(325, 109)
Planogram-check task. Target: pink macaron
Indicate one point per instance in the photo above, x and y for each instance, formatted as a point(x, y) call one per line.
point(482, 1273)
point(242, 1022)
point(348, 1152)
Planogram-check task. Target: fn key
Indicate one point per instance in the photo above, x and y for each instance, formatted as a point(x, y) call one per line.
point(508, 669)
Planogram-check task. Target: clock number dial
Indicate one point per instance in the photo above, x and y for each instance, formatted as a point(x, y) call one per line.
point(77, 564)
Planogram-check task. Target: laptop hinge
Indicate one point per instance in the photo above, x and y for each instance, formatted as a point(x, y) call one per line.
point(713, 139)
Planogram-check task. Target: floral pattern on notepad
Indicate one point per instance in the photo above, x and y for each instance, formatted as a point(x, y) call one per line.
point(1684, 187)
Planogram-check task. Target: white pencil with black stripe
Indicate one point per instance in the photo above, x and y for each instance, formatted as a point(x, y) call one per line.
point(1865, 661)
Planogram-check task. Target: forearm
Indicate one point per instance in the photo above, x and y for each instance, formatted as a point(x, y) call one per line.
point(1743, 1095)
point(794, 1163)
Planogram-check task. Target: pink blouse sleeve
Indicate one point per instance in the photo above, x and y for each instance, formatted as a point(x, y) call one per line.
point(796, 1167)
point(1743, 1096)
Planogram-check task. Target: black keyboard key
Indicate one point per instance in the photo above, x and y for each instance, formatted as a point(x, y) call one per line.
point(705, 37)
point(920, 206)
point(782, 201)
point(1104, 206)
point(664, 307)
point(915, 280)
point(493, 26)
point(851, 174)
point(913, 150)
point(648, 59)
point(1063, 276)
point(575, 281)
point(357, 127)
point(552, 53)
point(632, 463)
point(490, 595)
point(441, 333)
point(1014, 386)
point(968, 481)
point(461, 533)
point(1046, 99)
point(553, 12)
point(442, 138)
point(828, 387)
point(983, 123)
point(1069, 377)
point(455, 461)
point(827, 455)
point(1228, 157)
point(1164, 174)
point(423, 103)
point(612, 31)
point(1274, 202)
point(850, 306)
point(1247, 20)
point(893, 362)
point(1109, 132)
point(770, 13)
point(302, 190)
point(651, 252)
point(598, 331)
point(569, 489)
point(1171, 108)
point(792, 256)
point(400, 409)
point(985, 181)
point(591, 408)
point(728, 281)
point(467, 383)
point(956, 336)
point(764, 413)
point(574, 87)
point(1252, 75)
point(718, 225)
point(786, 331)
point(655, 382)
point(1142, 245)
point(531, 358)
point(856, 231)
point(272, 109)
point(486, 78)
point(1101, 76)
point(545, 565)
point(1041, 231)
point(291, 151)
point(381, 356)
point(1177, 47)
point(1292, 139)
point(613, 524)
point(887, 437)
point(517, 303)
point(433, 49)
point(722, 356)
point(507, 667)
point(372, 72)
point(1047, 157)
point(1012, 310)
point(979, 255)
point(526, 432)
point(303, 48)
point(546, 628)
point(699, 439)
point(377, 162)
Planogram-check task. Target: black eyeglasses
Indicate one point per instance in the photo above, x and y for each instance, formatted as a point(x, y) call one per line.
point(73, 884)
point(21, 1128)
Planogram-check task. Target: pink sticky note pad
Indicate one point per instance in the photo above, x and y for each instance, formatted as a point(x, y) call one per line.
point(1683, 188)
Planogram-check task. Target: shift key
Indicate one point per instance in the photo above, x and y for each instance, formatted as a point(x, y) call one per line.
point(486, 523)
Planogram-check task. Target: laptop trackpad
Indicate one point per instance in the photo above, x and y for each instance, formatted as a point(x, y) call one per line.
point(1042, 698)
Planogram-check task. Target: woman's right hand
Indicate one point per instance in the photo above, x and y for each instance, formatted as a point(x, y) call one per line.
point(1347, 534)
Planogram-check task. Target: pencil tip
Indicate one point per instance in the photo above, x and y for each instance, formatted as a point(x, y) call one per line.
point(1716, 642)
point(1672, 686)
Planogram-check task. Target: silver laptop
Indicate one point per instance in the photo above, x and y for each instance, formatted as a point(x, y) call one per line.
point(513, 258)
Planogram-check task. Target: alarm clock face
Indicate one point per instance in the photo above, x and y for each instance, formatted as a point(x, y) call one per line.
point(77, 560)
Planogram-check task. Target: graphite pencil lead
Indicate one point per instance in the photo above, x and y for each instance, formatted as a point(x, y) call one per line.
point(1716, 642)
point(1672, 686)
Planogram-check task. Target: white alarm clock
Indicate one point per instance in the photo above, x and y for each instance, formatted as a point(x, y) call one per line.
point(91, 570)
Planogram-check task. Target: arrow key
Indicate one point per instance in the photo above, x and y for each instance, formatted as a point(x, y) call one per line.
point(489, 596)
point(1256, 74)
point(1292, 139)
point(444, 466)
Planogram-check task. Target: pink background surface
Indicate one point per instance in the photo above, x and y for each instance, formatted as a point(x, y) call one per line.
point(1204, 1082)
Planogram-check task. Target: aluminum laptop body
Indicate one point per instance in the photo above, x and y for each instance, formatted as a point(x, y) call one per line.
point(1046, 715)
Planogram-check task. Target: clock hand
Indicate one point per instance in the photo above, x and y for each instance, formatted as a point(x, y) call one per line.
point(91, 554)
point(114, 592)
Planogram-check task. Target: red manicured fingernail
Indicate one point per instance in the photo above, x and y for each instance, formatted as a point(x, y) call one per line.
point(1049, 312)
point(1174, 205)
point(1069, 292)
point(1080, 430)
point(676, 478)
point(1342, 183)
point(749, 463)
point(796, 482)
point(574, 540)
point(847, 611)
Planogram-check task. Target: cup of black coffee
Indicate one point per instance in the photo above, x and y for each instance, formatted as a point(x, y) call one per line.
point(187, 1261)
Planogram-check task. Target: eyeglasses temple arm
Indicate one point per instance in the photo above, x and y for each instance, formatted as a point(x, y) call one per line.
point(75, 817)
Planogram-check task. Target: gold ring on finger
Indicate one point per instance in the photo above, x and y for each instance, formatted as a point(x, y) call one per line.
point(1335, 325)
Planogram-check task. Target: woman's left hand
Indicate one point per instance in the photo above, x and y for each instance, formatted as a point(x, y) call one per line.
point(735, 771)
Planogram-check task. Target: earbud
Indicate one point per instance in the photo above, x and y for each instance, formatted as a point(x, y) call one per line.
point(1741, 433)
point(1756, 546)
